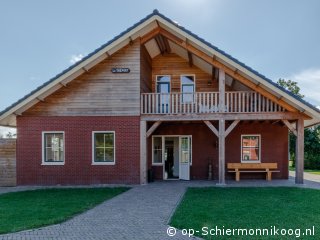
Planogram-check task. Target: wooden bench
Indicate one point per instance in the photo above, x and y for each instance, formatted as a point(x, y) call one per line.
point(268, 168)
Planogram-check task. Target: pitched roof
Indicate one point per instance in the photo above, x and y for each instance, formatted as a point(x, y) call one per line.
point(126, 35)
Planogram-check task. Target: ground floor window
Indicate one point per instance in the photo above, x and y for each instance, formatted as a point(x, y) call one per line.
point(53, 148)
point(157, 150)
point(103, 144)
point(250, 148)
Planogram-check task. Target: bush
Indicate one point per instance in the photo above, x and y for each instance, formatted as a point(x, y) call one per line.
point(312, 162)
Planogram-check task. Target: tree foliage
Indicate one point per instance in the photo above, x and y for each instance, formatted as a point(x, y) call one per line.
point(311, 135)
point(291, 86)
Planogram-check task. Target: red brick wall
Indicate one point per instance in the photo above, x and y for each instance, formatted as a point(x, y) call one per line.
point(78, 151)
point(274, 147)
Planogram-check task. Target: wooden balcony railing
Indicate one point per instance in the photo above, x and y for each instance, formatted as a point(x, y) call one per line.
point(206, 102)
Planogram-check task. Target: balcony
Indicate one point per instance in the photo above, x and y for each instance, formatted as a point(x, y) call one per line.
point(206, 102)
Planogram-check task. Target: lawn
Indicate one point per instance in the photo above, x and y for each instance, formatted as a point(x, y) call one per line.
point(32, 209)
point(250, 208)
point(317, 172)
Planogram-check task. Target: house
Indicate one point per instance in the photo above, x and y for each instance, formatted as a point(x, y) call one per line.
point(157, 97)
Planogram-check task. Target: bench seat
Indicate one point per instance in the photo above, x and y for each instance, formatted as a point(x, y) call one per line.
point(268, 168)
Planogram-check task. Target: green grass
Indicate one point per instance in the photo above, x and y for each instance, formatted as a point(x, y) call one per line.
point(317, 172)
point(32, 209)
point(312, 171)
point(250, 208)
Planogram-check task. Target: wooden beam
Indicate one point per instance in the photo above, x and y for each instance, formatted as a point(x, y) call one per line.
point(212, 128)
point(300, 152)
point(213, 73)
point(171, 36)
point(130, 41)
point(222, 152)
point(166, 43)
point(159, 44)
point(153, 128)
point(225, 116)
point(143, 152)
point(63, 84)
point(145, 38)
point(190, 59)
point(40, 99)
point(232, 83)
point(231, 127)
point(222, 88)
point(229, 71)
point(291, 128)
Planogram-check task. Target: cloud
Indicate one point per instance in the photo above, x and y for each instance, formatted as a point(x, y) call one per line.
point(75, 58)
point(309, 82)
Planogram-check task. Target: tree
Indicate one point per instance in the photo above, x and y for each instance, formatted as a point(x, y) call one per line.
point(311, 135)
point(291, 86)
point(11, 135)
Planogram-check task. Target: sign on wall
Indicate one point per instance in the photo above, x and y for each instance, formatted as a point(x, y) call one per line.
point(120, 70)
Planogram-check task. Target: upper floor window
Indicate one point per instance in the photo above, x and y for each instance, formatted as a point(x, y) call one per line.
point(163, 83)
point(53, 148)
point(187, 88)
point(250, 148)
point(103, 148)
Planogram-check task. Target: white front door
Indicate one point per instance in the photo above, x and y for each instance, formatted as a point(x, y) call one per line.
point(185, 156)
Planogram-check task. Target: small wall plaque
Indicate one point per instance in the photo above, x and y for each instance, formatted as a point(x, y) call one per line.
point(120, 70)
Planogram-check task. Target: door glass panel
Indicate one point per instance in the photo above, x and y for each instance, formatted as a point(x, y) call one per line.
point(187, 79)
point(187, 88)
point(187, 93)
point(163, 78)
point(185, 150)
point(163, 87)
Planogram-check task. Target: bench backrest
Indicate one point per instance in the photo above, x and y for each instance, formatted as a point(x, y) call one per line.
point(252, 165)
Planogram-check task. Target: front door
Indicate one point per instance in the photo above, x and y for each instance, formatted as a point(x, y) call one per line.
point(185, 157)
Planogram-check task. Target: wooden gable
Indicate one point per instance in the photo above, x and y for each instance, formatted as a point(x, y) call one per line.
point(98, 91)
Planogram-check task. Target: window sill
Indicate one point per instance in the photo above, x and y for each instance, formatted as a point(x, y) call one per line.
point(103, 163)
point(157, 164)
point(250, 161)
point(52, 164)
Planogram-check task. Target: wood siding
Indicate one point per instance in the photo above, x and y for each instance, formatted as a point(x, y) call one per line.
point(146, 71)
point(99, 92)
point(175, 66)
point(7, 162)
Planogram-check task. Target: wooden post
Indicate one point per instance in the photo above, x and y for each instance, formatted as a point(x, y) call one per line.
point(221, 152)
point(143, 152)
point(300, 151)
point(222, 84)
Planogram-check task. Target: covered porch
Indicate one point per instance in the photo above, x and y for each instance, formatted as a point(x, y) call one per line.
point(222, 117)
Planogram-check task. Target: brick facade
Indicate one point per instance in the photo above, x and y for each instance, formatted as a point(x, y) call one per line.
point(78, 151)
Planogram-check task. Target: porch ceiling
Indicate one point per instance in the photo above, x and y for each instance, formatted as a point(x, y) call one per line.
point(155, 47)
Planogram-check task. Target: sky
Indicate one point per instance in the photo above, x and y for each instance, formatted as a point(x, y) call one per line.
point(39, 39)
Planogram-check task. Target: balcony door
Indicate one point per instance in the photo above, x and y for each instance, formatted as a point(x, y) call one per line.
point(163, 87)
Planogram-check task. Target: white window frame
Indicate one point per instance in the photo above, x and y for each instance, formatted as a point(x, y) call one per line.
point(162, 75)
point(44, 152)
point(251, 135)
point(163, 149)
point(114, 149)
point(194, 86)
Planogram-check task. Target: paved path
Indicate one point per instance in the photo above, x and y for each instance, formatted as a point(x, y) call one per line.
point(141, 213)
